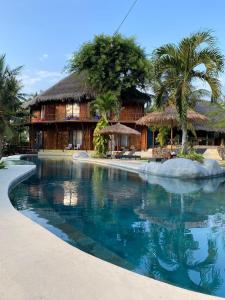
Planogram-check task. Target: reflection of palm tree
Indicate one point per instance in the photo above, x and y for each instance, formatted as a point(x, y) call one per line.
point(98, 189)
point(170, 258)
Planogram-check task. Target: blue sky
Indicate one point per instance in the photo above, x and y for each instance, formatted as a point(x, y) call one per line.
point(42, 34)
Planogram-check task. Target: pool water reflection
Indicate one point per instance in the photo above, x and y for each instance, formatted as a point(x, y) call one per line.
point(166, 229)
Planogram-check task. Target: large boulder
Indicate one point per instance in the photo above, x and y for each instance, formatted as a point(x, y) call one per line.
point(183, 168)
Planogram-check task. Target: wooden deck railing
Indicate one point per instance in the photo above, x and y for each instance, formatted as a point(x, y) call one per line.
point(81, 117)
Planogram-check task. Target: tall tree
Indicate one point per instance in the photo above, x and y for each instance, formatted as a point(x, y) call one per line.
point(10, 99)
point(179, 66)
point(113, 63)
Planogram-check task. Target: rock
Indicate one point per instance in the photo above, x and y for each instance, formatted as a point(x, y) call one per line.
point(182, 186)
point(183, 168)
point(78, 155)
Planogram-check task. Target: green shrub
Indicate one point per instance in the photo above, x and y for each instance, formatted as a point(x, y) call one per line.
point(193, 155)
point(162, 135)
point(98, 155)
point(100, 141)
point(2, 165)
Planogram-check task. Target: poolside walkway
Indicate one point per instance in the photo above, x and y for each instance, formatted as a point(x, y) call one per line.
point(35, 264)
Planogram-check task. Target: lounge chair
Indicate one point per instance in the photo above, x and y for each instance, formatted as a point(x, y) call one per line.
point(77, 147)
point(69, 147)
point(131, 155)
point(120, 154)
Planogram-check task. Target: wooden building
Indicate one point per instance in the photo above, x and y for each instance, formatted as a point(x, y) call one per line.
point(61, 116)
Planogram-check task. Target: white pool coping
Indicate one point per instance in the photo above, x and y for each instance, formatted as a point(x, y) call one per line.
point(35, 264)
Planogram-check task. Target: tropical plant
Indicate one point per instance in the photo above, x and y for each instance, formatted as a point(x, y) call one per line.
point(192, 154)
point(113, 63)
point(100, 141)
point(179, 66)
point(10, 100)
point(105, 104)
point(162, 135)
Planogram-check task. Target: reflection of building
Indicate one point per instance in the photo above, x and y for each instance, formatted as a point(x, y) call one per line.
point(61, 116)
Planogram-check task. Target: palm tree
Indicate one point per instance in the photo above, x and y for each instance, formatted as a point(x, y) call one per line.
point(179, 66)
point(10, 99)
point(104, 105)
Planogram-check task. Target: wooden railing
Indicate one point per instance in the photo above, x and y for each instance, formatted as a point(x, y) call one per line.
point(82, 117)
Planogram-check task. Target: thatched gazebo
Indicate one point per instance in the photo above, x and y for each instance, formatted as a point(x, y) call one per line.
point(119, 129)
point(169, 117)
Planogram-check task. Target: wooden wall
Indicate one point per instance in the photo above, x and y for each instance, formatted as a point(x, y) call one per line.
point(144, 138)
point(62, 139)
point(60, 111)
point(50, 111)
point(50, 136)
point(57, 137)
point(131, 112)
point(84, 110)
point(57, 111)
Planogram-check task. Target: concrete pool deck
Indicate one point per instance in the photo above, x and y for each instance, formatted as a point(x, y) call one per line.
point(35, 264)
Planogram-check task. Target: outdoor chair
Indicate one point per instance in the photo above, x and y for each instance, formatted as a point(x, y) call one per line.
point(69, 147)
point(77, 147)
point(130, 155)
point(120, 153)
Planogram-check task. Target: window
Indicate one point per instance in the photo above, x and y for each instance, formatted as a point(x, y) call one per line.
point(38, 139)
point(72, 110)
point(42, 112)
point(124, 141)
point(76, 138)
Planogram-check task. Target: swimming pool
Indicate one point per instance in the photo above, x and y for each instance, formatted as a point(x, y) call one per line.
point(165, 229)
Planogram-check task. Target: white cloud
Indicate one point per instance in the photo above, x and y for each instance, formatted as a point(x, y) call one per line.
point(43, 57)
point(39, 80)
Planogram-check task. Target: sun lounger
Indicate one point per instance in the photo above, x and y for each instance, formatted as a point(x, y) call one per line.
point(130, 155)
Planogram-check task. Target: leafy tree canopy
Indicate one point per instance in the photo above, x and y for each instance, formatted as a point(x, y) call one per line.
point(113, 63)
point(10, 100)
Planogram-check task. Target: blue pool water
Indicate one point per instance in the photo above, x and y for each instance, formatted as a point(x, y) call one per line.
point(165, 229)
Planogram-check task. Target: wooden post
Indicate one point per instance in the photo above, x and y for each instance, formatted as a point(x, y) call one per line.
point(153, 139)
point(171, 137)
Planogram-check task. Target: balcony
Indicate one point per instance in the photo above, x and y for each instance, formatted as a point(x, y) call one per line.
point(52, 118)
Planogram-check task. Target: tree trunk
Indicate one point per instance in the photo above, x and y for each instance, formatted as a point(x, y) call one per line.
point(184, 138)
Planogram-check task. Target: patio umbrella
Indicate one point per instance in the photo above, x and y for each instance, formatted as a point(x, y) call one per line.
point(169, 117)
point(119, 129)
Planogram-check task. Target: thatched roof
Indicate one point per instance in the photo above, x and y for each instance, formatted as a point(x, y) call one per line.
point(119, 129)
point(75, 87)
point(135, 96)
point(215, 114)
point(169, 117)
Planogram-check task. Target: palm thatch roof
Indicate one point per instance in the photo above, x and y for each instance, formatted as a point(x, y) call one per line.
point(132, 95)
point(119, 129)
point(216, 116)
point(76, 88)
point(169, 117)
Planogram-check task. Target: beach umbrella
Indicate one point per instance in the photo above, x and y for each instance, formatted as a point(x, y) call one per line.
point(169, 117)
point(119, 129)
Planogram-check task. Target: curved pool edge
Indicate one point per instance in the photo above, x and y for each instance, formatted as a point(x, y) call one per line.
point(35, 264)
